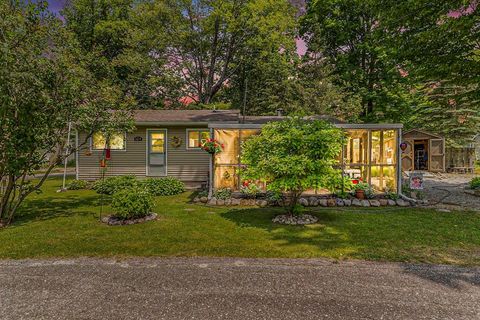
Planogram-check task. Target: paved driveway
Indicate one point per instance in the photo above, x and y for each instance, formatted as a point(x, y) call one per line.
point(235, 289)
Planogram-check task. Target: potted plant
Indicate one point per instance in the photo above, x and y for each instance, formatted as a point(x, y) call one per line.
point(361, 189)
point(212, 146)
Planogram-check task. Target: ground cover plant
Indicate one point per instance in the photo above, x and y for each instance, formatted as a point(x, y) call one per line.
point(67, 224)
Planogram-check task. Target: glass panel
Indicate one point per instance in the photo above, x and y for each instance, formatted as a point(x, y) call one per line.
point(383, 178)
point(230, 140)
point(357, 146)
point(157, 142)
point(226, 177)
point(99, 142)
point(193, 139)
point(204, 136)
point(117, 141)
point(389, 147)
point(357, 172)
point(376, 147)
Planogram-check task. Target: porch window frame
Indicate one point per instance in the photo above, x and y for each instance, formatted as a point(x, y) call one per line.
point(187, 137)
point(107, 146)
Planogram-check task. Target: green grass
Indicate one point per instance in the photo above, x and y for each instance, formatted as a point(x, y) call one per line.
point(66, 225)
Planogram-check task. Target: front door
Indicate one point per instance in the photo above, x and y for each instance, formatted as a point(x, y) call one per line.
point(156, 152)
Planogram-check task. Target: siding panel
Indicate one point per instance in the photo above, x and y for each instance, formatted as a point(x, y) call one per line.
point(186, 165)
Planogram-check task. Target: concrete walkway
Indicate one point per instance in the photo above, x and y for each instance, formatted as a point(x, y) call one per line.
point(235, 289)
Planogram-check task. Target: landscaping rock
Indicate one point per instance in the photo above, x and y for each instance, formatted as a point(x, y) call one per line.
point(212, 201)
point(244, 202)
point(113, 221)
point(331, 202)
point(356, 203)
point(323, 202)
point(347, 202)
point(313, 202)
point(228, 202)
point(444, 210)
point(196, 200)
point(203, 199)
point(303, 202)
point(383, 202)
point(262, 203)
point(340, 203)
point(295, 220)
point(391, 202)
point(220, 202)
point(365, 203)
point(252, 202)
point(402, 203)
point(235, 202)
point(374, 203)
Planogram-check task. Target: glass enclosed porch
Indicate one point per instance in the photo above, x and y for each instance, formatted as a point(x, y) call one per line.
point(370, 154)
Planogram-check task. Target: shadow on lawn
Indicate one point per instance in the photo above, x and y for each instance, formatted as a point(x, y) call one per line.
point(322, 236)
point(450, 276)
point(54, 207)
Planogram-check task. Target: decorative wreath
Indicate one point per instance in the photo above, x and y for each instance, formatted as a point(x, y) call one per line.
point(176, 142)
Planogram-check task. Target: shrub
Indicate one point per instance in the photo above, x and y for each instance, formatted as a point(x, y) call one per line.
point(250, 190)
point(132, 202)
point(77, 185)
point(113, 184)
point(223, 193)
point(475, 183)
point(168, 186)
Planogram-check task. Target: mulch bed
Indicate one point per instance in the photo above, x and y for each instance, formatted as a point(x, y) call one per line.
point(114, 221)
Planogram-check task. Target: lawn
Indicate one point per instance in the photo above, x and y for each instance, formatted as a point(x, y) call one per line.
point(67, 225)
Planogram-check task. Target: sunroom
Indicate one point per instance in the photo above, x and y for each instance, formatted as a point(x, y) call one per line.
point(371, 155)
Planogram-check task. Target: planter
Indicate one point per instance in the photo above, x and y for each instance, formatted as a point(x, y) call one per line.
point(360, 194)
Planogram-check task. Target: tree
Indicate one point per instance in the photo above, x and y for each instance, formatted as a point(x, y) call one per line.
point(44, 86)
point(206, 43)
point(292, 156)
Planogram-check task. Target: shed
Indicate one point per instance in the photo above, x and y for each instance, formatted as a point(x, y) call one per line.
point(423, 151)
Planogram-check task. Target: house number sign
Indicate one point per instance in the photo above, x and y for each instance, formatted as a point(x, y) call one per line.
point(137, 139)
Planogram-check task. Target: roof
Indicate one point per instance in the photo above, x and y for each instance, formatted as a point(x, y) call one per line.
point(423, 132)
point(265, 119)
point(185, 116)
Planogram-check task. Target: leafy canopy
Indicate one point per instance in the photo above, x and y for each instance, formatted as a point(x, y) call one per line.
point(293, 155)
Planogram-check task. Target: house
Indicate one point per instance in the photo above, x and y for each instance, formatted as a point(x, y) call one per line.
point(166, 143)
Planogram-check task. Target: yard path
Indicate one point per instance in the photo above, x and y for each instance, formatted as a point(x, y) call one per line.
point(229, 288)
point(449, 190)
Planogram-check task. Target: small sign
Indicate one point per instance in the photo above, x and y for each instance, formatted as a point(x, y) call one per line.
point(416, 181)
point(137, 139)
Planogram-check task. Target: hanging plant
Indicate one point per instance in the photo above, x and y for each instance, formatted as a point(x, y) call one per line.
point(212, 146)
point(176, 142)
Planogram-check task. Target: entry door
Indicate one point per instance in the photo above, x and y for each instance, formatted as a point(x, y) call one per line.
point(156, 153)
point(437, 155)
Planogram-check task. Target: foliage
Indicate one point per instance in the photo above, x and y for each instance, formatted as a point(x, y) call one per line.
point(419, 69)
point(369, 192)
point(44, 86)
point(250, 189)
point(112, 185)
point(223, 193)
point(293, 155)
point(475, 183)
point(77, 185)
point(337, 183)
point(208, 42)
point(132, 202)
point(167, 186)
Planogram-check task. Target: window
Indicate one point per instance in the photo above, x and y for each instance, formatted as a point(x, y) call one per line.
point(196, 136)
point(116, 141)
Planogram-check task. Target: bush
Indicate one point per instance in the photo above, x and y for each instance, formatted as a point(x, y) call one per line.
point(113, 184)
point(475, 183)
point(250, 190)
point(77, 185)
point(223, 194)
point(132, 202)
point(168, 186)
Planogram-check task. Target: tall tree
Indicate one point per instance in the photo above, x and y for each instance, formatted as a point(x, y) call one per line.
point(206, 42)
point(44, 86)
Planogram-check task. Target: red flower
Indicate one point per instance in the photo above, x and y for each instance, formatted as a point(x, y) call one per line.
point(355, 181)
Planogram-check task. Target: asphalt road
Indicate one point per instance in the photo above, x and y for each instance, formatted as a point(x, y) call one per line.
point(235, 289)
